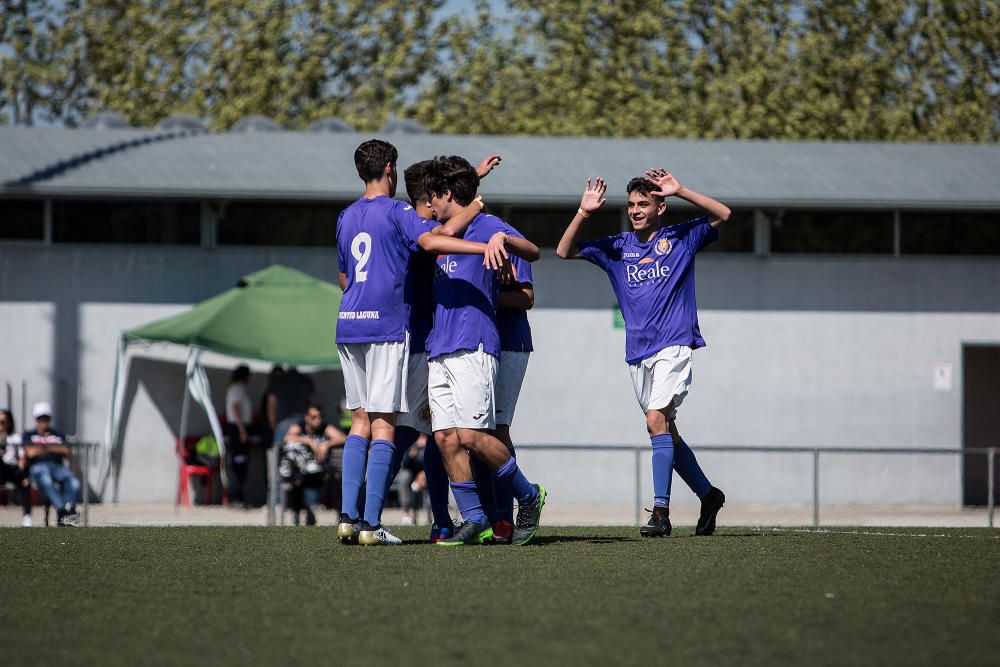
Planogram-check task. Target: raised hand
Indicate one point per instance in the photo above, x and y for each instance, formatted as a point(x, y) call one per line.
point(486, 166)
point(496, 252)
point(593, 195)
point(664, 180)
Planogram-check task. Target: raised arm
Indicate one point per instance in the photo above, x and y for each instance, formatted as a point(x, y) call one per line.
point(445, 245)
point(669, 186)
point(457, 225)
point(486, 166)
point(501, 246)
point(593, 199)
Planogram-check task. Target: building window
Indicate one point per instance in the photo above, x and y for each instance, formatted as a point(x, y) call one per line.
point(311, 225)
point(21, 220)
point(166, 223)
point(929, 233)
point(841, 232)
point(735, 235)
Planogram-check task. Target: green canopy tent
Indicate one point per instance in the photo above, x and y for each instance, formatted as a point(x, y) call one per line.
point(249, 321)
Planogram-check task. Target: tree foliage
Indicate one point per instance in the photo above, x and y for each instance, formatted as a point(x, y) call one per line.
point(781, 69)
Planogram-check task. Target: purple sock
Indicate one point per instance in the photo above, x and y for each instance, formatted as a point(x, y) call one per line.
point(379, 466)
point(467, 499)
point(483, 475)
point(437, 484)
point(687, 467)
point(355, 462)
point(503, 497)
point(405, 437)
point(523, 490)
point(663, 468)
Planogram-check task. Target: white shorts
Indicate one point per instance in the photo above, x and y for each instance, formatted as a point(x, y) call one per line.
point(375, 375)
point(419, 415)
point(460, 388)
point(510, 376)
point(662, 379)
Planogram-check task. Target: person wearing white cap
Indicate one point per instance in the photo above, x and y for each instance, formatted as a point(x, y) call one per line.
point(45, 452)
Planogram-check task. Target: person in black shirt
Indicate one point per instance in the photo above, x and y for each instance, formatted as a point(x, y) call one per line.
point(10, 469)
point(307, 445)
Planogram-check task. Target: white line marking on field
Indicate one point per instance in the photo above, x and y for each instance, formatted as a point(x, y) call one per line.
point(875, 533)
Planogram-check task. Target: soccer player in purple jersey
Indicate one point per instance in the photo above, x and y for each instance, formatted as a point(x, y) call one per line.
point(419, 283)
point(651, 270)
point(463, 348)
point(376, 236)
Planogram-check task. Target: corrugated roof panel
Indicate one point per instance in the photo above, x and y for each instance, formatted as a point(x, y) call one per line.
point(306, 165)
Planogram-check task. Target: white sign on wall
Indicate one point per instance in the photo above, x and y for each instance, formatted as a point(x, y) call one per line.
point(942, 377)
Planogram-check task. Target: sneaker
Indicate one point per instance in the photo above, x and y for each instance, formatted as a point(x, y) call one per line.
point(438, 533)
point(529, 519)
point(468, 532)
point(376, 535)
point(26, 521)
point(710, 506)
point(503, 531)
point(659, 523)
point(348, 529)
point(69, 520)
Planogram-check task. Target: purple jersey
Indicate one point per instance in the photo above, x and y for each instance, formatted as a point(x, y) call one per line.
point(515, 332)
point(419, 298)
point(465, 296)
point(375, 238)
point(654, 283)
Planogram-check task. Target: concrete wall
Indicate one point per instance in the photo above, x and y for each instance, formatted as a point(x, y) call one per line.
point(824, 351)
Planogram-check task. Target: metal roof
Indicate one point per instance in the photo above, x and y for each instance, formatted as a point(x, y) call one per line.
point(287, 165)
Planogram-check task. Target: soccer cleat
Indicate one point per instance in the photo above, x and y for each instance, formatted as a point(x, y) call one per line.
point(503, 531)
point(68, 520)
point(658, 524)
point(348, 529)
point(439, 533)
point(529, 519)
point(26, 521)
point(710, 506)
point(468, 532)
point(371, 536)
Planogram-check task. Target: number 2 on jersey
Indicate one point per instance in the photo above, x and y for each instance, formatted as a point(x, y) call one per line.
point(361, 248)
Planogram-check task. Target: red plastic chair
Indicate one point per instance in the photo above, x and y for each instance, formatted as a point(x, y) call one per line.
point(188, 470)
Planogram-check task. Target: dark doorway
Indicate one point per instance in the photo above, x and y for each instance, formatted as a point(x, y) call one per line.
point(980, 419)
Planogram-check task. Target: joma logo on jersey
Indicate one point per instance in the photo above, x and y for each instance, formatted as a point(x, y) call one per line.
point(636, 273)
point(630, 255)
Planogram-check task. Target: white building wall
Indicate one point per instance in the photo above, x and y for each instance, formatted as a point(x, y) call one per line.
point(802, 352)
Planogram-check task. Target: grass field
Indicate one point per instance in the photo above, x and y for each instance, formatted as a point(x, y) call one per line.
point(208, 596)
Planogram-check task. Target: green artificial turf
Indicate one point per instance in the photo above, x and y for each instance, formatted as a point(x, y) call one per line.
point(580, 596)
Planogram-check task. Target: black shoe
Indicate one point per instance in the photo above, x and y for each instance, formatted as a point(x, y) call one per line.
point(529, 519)
point(468, 532)
point(296, 518)
point(659, 523)
point(310, 518)
point(710, 506)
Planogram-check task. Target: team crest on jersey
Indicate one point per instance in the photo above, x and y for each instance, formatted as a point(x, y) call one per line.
point(663, 247)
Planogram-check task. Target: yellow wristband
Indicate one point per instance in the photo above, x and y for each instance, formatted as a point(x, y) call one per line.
point(583, 214)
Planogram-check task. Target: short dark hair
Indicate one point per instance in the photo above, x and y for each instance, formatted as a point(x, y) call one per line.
point(240, 374)
point(371, 157)
point(11, 428)
point(452, 173)
point(643, 186)
point(414, 176)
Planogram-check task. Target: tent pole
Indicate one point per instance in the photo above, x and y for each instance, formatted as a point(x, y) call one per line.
point(182, 431)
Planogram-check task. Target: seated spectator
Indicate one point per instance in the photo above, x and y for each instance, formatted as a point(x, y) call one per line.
point(307, 445)
point(287, 401)
point(10, 469)
point(45, 455)
point(239, 424)
point(411, 483)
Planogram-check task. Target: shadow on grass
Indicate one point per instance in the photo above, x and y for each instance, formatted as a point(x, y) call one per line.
point(590, 539)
